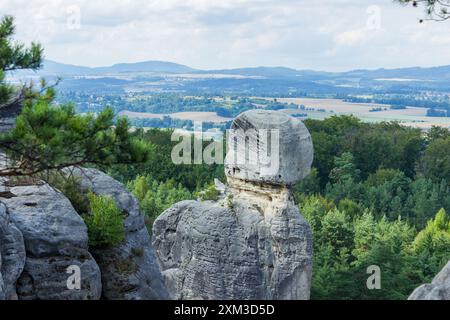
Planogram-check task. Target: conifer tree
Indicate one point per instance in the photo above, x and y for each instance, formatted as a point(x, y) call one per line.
point(47, 136)
point(437, 10)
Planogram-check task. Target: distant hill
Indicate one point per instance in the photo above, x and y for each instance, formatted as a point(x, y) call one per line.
point(433, 73)
point(441, 73)
point(55, 68)
point(148, 66)
point(269, 72)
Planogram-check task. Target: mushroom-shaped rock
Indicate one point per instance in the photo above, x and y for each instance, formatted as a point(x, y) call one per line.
point(269, 147)
point(252, 243)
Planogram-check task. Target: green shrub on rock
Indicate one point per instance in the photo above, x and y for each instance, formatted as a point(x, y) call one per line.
point(71, 187)
point(104, 221)
point(155, 197)
point(210, 193)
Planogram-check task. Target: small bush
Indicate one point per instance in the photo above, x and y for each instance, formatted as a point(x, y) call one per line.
point(210, 193)
point(138, 251)
point(104, 221)
point(155, 197)
point(125, 266)
point(230, 201)
point(70, 186)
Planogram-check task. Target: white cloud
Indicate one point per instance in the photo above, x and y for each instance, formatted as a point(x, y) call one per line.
point(326, 35)
point(353, 37)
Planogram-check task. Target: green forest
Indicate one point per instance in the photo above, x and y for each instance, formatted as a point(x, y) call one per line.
point(378, 194)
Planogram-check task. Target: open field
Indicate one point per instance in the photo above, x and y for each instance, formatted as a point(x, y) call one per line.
point(200, 116)
point(411, 116)
point(335, 105)
point(140, 115)
point(320, 109)
point(193, 116)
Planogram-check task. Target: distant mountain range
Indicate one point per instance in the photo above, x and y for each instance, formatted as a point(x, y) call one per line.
point(52, 67)
point(163, 76)
point(163, 67)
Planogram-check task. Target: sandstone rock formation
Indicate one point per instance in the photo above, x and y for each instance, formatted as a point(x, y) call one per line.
point(285, 161)
point(438, 289)
point(12, 256)
point(252, 243)
point(42, 237)
point(130, 270)
point(55, 237)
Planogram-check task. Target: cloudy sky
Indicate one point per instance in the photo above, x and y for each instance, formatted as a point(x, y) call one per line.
point(209, 34)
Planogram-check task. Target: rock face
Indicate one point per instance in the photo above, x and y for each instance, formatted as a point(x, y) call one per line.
point(12, 256)
point(55, 238)
point(130, 270)
point(44, 243)
point(42, 240)
point(252, 243)
point(438, 289)
point(269, 147)
point(8, 116)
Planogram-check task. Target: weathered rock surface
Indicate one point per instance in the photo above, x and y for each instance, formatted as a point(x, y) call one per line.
point(12, 256)
point(212, 252)
point(129, 270)
point(269, 147)
point(438, 289)
point(55, 238)
point(252, 243)
point(2, 285)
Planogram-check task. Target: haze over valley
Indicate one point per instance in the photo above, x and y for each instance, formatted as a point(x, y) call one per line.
point(154, 93)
